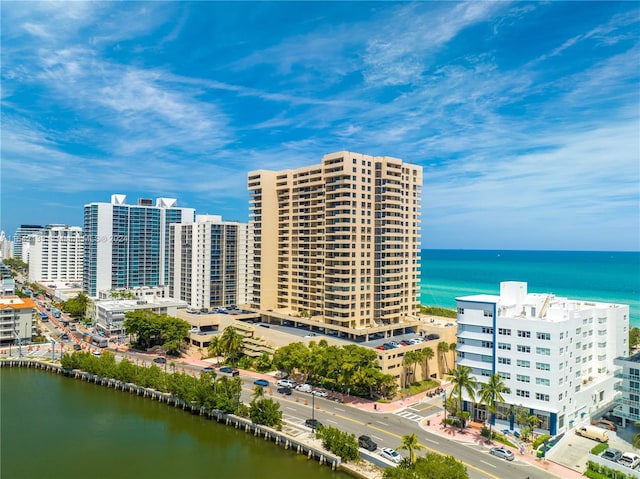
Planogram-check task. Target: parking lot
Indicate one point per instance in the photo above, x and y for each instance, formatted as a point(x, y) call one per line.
point(572, 451)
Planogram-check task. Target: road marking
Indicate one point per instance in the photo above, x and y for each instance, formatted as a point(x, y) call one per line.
point(291, 408)
point(431, 440)
point(376, 437)
point(488, 464)
point(338, 409)
point(430, 406)
point(331, 420)
point(383, 423)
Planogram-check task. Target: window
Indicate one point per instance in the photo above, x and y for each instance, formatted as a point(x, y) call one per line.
point(487, 330)
point(544, 336)
point(485, 372)
point(522, 363)
point(488, 314)
point(543, 382)
point(543, 366)
point(543, 351)
point(504, 360)
point(522, 393)
point(524, 334)
point(504, 375)
point(487, 344)
point(524, 349)
point(504, 331)
point(505, 346)
point(486, 359)
point(522, 378)
point(542, 397)
point(460, 310)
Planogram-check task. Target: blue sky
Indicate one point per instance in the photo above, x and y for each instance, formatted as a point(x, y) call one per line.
point(525, 116)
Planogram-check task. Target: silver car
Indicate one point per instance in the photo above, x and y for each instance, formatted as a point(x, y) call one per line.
point(502, 453)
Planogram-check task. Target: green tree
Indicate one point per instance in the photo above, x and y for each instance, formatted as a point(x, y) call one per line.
point(231, 343)
point(431, 466)
point(77, 306)
point(263, 363)
point(634, 337)
point(267, 412)
point(427, 355)
point(491, 394)
point(463, 381)
point(635, 441)
point(214, 348)
point(443, 349)
point(411, 444)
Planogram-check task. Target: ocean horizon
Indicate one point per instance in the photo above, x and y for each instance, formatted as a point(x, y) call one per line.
point(604, 276)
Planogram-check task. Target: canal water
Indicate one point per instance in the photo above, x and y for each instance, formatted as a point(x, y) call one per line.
point(56, 427)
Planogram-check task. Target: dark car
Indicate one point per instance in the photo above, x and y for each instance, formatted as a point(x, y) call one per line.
point(231, 371)
point(64, 336)
point(261, 382)
point(77, 347)
point(160, 360)
point(312, 423)
point(367, 443)
point(612, 455)
point(431, 337)
point(285, 391)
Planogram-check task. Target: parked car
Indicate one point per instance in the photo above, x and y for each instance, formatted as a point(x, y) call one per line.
point(367, 443)
point(286, 383)
point(264, 325)
point(313, 423)
point(226, 370)
point(501, 452)
point(611, 455)
point(208, 369)
point(319, 393)
point(594, 433)
point(77, 347)
point(159, 360)
point(391, 454)
point(97, 353)
point(304, 388)
point(604, 423)
point(431, 337)
point(261, 382)
point(284, 390)
point(629, 459)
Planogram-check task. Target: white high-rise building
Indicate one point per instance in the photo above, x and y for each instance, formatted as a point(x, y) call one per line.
point(338, 242)
point(21, 237)
point(555, 354)
point(209, 262)
point(55, 254)
point(126, 246)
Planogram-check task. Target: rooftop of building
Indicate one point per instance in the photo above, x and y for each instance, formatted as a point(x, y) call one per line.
point(119, 304)
point(15, 302)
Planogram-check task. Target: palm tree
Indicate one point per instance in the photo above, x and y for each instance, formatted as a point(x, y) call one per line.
point(215, 348)
point(635, 441)
point(427, 355)
point(463, 381)
point(411, 444)
point(452, 348)
point(443, 349)
point(258, 393)
point(231, 342)
point(491, 394)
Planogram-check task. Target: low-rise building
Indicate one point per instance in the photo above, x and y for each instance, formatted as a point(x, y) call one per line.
point(17, 319)
point(556, 355)
point(110, 314)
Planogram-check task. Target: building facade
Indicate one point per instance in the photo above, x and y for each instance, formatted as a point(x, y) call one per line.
point(55, 254)
point(556, 355)
point(110, 314)
point(628, 387)
point(20, 237)
point(209, 261)
point(126, 246)
point(338, 242)
point(17, 319)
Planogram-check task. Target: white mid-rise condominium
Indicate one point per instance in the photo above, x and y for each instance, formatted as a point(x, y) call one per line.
point(338, 242)
point(126, 246)
point(209, 262)
point(21, 237)
point(55, 254)
point(556, 355)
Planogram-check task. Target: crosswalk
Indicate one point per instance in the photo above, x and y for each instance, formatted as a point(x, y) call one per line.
point(408, 413)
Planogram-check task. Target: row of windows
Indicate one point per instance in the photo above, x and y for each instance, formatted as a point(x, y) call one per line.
point(523, 334)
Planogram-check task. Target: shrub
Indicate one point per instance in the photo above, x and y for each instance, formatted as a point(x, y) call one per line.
point(596, 450)
point(540, 440)
point(340, 443)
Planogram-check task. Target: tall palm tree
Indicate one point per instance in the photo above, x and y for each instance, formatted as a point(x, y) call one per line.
point(443, 349)
point(258, 393)
point(215, 348)
point(463, 381)
point(231, 342)
point(491, 394)
point(427, 355)
point(410, 443)
point(452, 348)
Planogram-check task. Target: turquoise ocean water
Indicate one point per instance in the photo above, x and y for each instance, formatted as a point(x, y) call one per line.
point(612, 277)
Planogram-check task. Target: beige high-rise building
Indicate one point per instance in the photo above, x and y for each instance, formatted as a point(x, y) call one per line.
point(338, 242)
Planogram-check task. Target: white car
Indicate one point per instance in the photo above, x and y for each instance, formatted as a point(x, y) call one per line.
point(319, 393)
point(286, 383)
point(629, 459)
point(391, 454)
point(304, 388)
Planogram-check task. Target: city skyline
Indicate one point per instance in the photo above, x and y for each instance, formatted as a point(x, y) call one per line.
point(524, 116)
